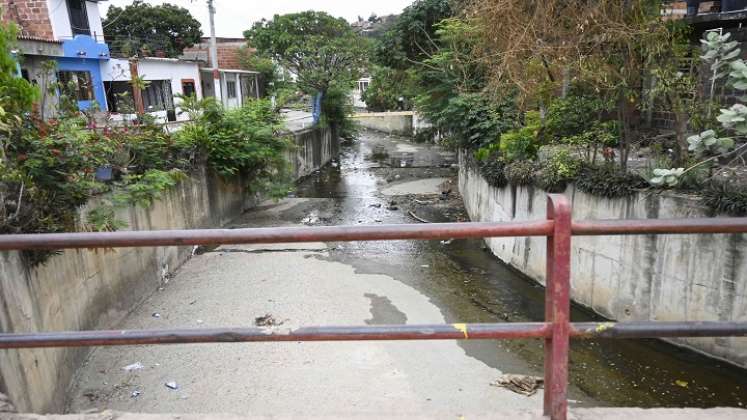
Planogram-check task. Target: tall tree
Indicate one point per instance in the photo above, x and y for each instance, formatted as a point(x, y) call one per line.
point(141, 28)
point(412, 38)
point(323, 51)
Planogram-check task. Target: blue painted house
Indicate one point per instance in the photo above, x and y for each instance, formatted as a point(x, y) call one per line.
point(68, 32)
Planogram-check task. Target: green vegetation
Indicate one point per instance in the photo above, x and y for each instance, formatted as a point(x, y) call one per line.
point(49, 169)
point(323, 51)
point(548, 95)
point(144, 29)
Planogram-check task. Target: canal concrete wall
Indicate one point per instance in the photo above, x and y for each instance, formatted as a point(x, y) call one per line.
point(95, 289)
point(399, 123)
point(629, 278)
point(314, 148)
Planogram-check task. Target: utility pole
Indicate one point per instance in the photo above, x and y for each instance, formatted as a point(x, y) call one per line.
point(214, 52)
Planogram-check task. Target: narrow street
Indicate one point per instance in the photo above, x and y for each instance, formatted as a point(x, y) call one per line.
point(379, 179)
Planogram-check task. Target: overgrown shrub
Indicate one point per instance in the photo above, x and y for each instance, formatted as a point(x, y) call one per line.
point(521, 143)
point(558, 171)
point(494, 171)
point(608, 181)
point(724, 197)
point(470, 120)
point(242, 141)
point(521, 172)
point(387, 86)
point(572, 115)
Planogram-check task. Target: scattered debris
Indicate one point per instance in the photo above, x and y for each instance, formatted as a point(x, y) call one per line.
point(171, 385)
point(199, 321)
point(156, 315)
point(421, 202)
point(419, 219)
point(520, 384)
point(424, 266)
point(267, 320)
point(376, 205)
point(446, 242)
point(134, 366)
point(193, 302)
point(136, 393)
point(681, 383)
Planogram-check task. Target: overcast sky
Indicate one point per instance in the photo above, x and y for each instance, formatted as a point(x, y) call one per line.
point(232, 17)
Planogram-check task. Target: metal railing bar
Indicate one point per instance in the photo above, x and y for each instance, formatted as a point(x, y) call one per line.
point(656, 329)
point(232, 335)
point(53, 241)
point(119, 239)
point(660, 226)
point(511, 330)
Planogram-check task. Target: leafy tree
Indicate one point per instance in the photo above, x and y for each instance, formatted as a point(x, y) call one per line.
point(412, 37)
point(323, 51)
point(387, 86)
point(143, 27)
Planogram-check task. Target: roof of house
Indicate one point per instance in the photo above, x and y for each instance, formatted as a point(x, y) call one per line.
point(38, 39)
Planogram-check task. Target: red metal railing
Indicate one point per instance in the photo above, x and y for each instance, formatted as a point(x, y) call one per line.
point(556, 330)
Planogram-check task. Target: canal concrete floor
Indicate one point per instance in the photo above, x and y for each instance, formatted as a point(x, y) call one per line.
point(378, 179)
point(383, 180)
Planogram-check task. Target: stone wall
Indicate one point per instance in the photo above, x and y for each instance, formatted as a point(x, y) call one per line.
point(629, 278)
point(96, 289)
point(31, 15)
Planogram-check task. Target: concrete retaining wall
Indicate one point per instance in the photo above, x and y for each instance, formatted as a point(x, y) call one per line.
point(315, 147)
point(399, 123)
point(81, 289)
point(628, 278)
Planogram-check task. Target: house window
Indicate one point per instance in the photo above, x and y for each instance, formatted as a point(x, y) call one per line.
point(78, 17)
point(248, 86)
point(157, 96)
point(362, 86)
point(119, 97)
point(188, 87)
point(76, 84)
point(231, 89)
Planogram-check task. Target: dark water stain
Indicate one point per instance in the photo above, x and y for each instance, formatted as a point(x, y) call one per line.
point(469, 284)
point(383, 311)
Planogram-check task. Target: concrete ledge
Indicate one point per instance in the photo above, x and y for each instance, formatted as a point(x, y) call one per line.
point(577, 414)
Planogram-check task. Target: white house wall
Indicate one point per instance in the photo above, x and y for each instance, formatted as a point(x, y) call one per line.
point(118, 69)
point(60, 19)
point(94, 20)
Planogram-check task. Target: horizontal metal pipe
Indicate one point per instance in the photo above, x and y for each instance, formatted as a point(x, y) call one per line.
point(514, 330)
point(660, 226)
point(273, 235)
point(230, 335)
point(652, 329)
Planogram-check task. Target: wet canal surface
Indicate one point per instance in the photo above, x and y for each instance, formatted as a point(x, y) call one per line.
point(469, 284)
point(378, 179)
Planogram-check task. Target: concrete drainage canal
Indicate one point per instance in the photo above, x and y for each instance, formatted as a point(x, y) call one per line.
point(378, 179)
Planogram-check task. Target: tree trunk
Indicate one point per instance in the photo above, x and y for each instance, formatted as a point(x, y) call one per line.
point(626, 117)
point(680, 148)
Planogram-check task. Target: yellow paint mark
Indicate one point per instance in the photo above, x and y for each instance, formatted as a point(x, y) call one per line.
point(604, 326)
point(462, 328)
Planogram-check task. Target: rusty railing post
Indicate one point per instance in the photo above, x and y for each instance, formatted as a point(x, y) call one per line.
point(557, 307)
